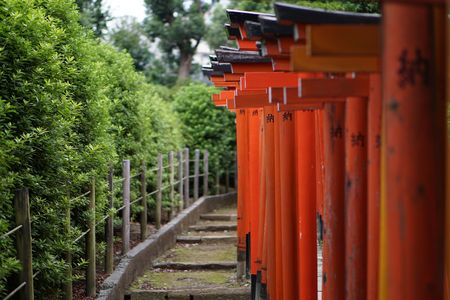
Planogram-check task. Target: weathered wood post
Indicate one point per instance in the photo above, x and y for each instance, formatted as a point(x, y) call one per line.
point(205, 172)
point(227, 181)
point(126, 209)
point(159, 189)
point(90, 244)
point(180, 179)
point(186, 177)
point(196, 172)
point(413, 150)
point(218, 180)
point(22, 211)
point(143, 201)
point(172, 186)
point(68, 291)
point(109, 225)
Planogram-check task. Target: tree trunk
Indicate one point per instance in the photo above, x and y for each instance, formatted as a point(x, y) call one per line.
point(185, 66)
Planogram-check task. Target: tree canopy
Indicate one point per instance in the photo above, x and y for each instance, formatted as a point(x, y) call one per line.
point(178, 28)
point(93, 15)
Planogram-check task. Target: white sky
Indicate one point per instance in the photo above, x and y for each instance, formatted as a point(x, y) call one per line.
point(134, 8)
point(121, 8)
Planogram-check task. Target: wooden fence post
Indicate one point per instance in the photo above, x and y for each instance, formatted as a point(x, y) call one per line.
point(196, 173)
point(22, 211)
point(143, 201)
point(218, 180)
point(159, 194)
point(205, 172)
point(186, 177)
point(126, 210)
point(227, 181)
point(68, 291)
point(172, 186)
point(90, 243)
point(180, 179)
point(109, 229)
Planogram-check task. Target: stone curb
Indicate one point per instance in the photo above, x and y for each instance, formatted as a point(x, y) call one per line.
point(140, 258)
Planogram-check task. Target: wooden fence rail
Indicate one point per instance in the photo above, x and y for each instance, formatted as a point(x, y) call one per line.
point(179, 170)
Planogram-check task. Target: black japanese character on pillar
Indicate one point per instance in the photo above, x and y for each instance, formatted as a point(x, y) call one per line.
point(410, 68)
point(287, 116)
point(358, 139)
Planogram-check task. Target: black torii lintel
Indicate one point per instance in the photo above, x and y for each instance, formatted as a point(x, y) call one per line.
point(308, 15)
point(253, 30)
point(227, 56)
point(221, 67)
point(271, 28)
point(233, 32)
point(208, 72)
point(240, 16)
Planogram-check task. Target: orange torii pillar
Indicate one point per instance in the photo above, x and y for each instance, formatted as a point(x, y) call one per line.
point(373, 185)
point(306, 202)
point(288, 204)
point(333, 277)
point(320, 171)
point(278, 239)
point(356, 197)
point(269, 158)
point(413, 150)
point(243, 188)
point(255, 117)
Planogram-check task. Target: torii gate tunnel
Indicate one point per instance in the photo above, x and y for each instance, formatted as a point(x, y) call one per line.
point(340, 117)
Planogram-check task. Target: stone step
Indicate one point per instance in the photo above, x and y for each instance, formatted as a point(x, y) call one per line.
point(218, 217)
point(213, 227)
point(220, 265)
point(239, 293)
point(209, 239)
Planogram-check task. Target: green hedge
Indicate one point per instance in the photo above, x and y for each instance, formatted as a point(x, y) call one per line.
point(69, 106)
point(206, 126)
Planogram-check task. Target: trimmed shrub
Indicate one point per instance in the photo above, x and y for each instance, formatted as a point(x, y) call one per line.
point(69, 106)
point(206, 126)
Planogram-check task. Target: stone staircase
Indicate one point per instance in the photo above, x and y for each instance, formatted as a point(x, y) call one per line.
point(202, 265)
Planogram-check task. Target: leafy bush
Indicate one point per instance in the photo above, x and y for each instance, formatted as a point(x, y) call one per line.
point(69, 106)
point(206, 126)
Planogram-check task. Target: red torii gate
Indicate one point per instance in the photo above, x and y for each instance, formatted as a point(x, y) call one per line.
point(319, 56)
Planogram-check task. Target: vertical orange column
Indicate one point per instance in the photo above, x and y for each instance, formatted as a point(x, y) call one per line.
point(414, 150)
point(356, 197)
point(278, 242)
point(254, 189)
point(333, 278)
point(373, 186)
point(269, 141)
point(447, 203)
point(306, 203)
point(242, 155)
point(288, 206)
point(261, 265)
point(320, 168)
point(248, 191)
